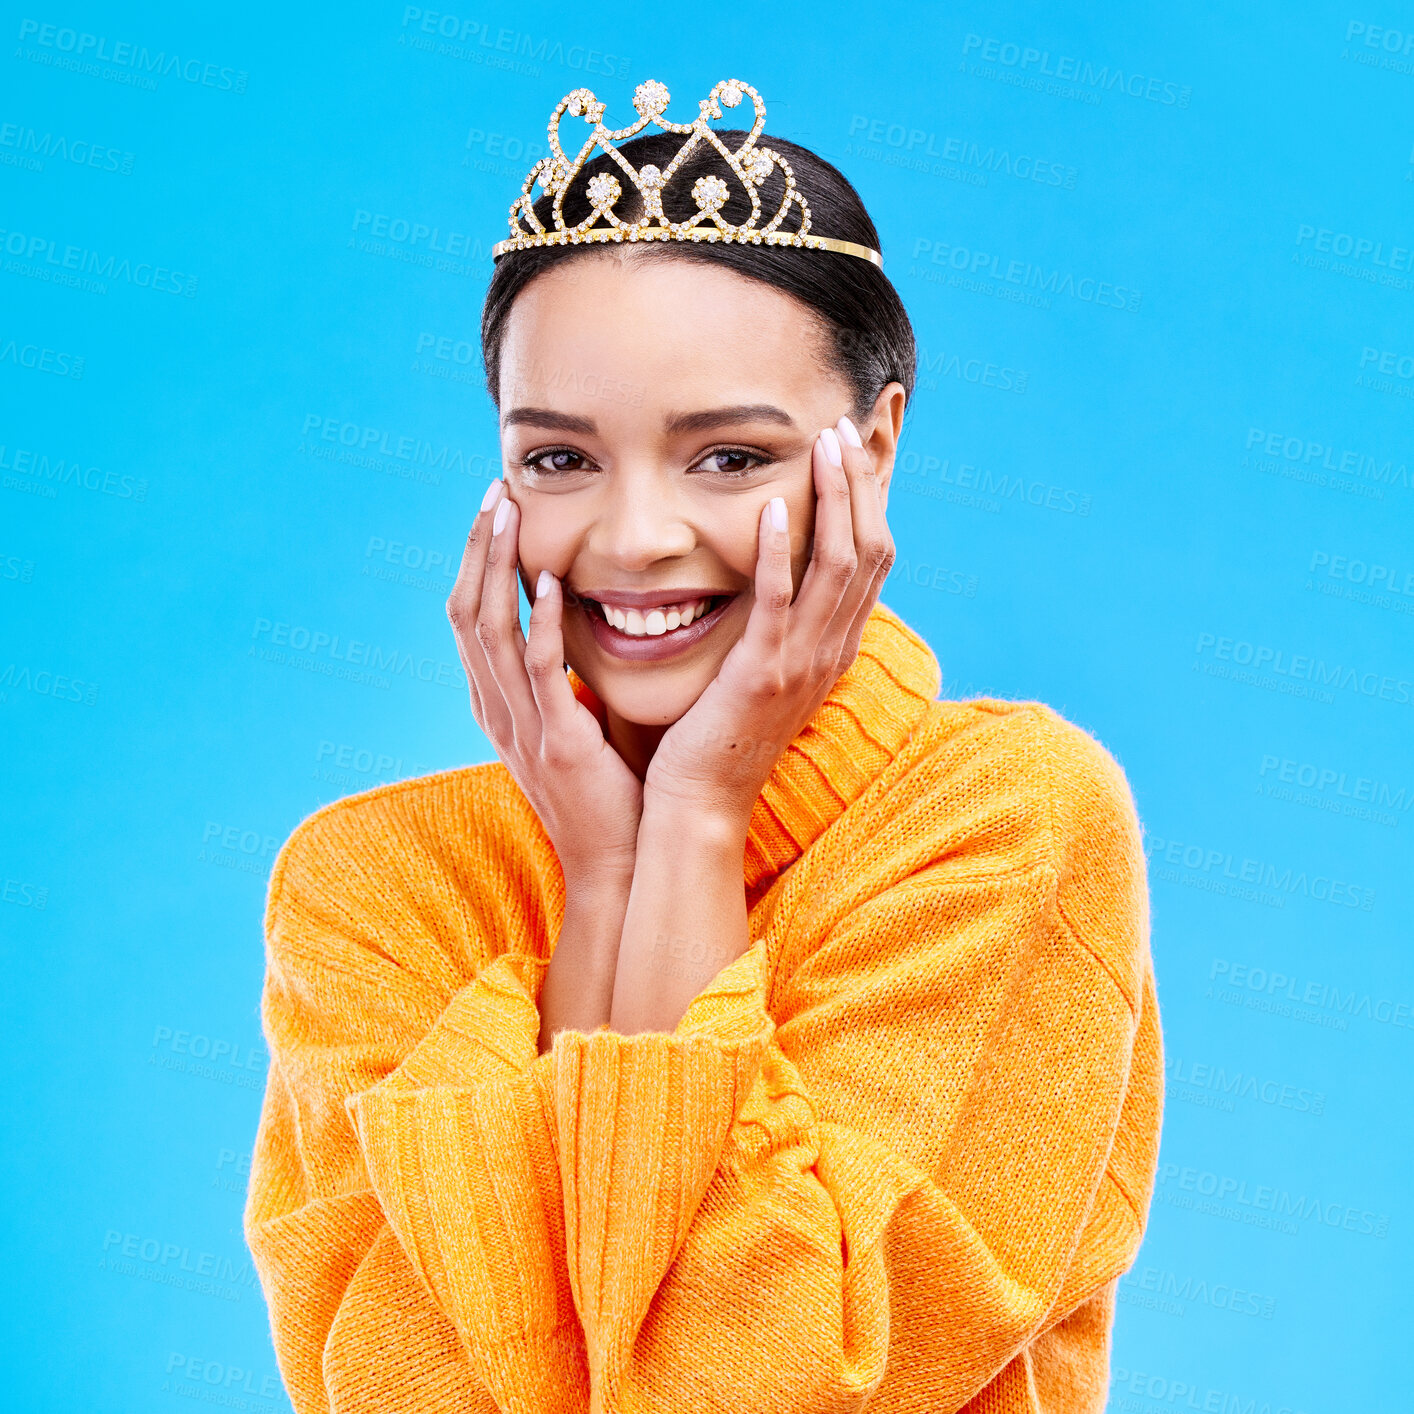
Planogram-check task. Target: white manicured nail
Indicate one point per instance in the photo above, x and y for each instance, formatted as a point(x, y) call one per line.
point(503, 512)
point(542, 584)
point(777, 506)
point(492, 491)
point(832, 445)
point(849, 432)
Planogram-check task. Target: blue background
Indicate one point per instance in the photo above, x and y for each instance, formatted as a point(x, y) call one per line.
point(1160, 510)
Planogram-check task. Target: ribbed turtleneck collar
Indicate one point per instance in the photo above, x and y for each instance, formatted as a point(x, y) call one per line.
point(872, 710)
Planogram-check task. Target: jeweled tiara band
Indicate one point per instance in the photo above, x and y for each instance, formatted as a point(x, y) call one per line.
point(751, 164)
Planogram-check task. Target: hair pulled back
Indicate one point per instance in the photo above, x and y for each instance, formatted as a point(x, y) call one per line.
point(870, 337)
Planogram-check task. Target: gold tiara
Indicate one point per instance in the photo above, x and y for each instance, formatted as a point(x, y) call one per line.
point(752, 164)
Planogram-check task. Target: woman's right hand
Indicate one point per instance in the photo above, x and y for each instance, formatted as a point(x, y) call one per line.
point(587, 798)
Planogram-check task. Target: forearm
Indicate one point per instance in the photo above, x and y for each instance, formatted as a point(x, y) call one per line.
point(686, 917)
point(578, 986)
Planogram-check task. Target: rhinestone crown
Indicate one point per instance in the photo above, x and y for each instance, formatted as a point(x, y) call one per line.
point(751, 164)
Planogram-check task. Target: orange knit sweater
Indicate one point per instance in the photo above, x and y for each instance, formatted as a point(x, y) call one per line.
point(893, 1158)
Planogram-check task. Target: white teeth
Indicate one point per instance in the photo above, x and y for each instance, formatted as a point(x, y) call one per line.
point(656, 621)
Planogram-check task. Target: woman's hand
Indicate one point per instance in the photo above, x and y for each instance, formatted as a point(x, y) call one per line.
point(718, 755)
point(587, 798)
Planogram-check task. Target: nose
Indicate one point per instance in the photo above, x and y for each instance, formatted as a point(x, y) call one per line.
point(640, 519)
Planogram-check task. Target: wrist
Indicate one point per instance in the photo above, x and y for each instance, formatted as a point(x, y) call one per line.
point(597, 896)
point(599, 878)
point(669, 823)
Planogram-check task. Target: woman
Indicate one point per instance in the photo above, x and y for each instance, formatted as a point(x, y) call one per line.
point(759, 1032)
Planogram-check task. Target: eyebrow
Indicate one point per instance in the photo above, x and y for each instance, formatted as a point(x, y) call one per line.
point(544, 417)
point(702, 421)
point(709, 418)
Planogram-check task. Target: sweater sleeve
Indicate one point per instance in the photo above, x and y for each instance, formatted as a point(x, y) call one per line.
point(346, 1016)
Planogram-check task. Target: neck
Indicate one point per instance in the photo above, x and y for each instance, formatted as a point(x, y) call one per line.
point(634, 741)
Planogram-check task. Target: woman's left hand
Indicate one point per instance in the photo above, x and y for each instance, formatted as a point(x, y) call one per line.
point(718, 755)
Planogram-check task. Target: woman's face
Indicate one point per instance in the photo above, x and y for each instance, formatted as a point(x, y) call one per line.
point(650, 407)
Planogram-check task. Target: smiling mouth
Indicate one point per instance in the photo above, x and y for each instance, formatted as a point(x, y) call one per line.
point(654, 623)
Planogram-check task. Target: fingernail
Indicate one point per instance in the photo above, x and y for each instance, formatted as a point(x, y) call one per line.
point(543, 583)
point(502, 514)
point(492, 491)
point(832, 446)
point(849, 432)
point(777, 505)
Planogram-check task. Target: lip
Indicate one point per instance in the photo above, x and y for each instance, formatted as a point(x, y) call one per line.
point(650, 649)
point(650, 598)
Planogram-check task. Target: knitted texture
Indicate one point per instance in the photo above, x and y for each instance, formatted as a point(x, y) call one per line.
point(893, 1158)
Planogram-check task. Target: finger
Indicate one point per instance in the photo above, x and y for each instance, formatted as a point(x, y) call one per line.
point(833, 559)
point(498, 624)
point(770, 619)
point(545, 659)
point(874, 545)
point(464, 604)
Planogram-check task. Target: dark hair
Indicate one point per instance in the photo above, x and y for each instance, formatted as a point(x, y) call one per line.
point(872, 338)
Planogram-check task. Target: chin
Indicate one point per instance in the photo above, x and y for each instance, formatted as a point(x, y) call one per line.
point(649, 704)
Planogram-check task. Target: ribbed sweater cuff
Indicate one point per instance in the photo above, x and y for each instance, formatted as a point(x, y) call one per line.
point(528, 1194)
point(641, 1122)
point(467, 1177)
point(490, 1029)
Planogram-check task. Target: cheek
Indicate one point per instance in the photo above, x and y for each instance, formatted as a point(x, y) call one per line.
point(802, 529)
point(546, 539)
point(735, 536)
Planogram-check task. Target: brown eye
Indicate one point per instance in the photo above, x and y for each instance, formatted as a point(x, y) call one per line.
point(731, 461)
point(559, 459)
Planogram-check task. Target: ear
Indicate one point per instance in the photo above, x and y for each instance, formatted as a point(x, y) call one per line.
point(881, 432)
